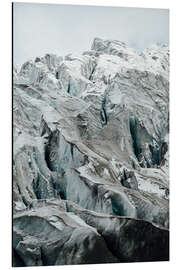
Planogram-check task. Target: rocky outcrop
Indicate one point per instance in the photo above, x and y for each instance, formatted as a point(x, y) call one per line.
point(90, 157)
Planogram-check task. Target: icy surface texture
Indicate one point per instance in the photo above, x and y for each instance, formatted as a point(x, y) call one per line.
point(90, 157)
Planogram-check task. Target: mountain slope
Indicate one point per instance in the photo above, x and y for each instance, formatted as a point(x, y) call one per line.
point(91, 148)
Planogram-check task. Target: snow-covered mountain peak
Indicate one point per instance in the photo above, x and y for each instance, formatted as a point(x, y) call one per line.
point(112, 47)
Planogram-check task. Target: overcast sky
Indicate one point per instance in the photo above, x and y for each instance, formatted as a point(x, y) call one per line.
point(63, 29)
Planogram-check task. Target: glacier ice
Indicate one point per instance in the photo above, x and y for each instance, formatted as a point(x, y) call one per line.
point(90, 156)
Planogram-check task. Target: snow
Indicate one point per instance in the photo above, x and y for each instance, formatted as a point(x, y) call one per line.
point(147, 186)
point(106, 172)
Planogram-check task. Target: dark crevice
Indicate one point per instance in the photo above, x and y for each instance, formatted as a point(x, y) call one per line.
point(24, 200)
point(69, 87)
point(57, 75)
point(44, 259)
point(36, 184)
point(61, 189)
point(47, 154)
point(155, 155)
point(90, 77)
point(22, 196)
point(52, 144)
point(133, 131)
point(163, 150)
point(103, 114)
point(19, 189)
point(72, 146)
point(117, 209)
point(154, 150)
point(17, 261)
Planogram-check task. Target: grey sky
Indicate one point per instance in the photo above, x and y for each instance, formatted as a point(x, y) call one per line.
point(63, 29)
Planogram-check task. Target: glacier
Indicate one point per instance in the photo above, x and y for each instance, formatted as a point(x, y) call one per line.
point(91, 157)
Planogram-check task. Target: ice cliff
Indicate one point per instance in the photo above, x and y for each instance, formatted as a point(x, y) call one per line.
point(90, 157)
